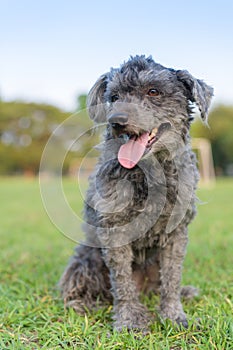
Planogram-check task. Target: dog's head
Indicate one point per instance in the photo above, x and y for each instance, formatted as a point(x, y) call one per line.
point(147, 106)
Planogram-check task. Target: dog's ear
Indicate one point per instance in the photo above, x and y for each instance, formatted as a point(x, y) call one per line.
point(95, 100)
point(198, 92)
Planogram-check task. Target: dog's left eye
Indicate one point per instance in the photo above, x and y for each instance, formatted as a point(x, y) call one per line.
point(153, 92)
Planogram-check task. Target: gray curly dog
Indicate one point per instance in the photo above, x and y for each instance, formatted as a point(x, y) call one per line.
point(141, 196)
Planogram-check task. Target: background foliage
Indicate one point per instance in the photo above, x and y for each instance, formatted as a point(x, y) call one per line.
point(26, 127)
point(220, 134)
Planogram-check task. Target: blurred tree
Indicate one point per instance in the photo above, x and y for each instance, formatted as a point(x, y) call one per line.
point(26, 127)
point(81, 99)
point(24, 131)
point(220, 134)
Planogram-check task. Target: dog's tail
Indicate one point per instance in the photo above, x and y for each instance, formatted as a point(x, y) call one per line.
point(189, 292)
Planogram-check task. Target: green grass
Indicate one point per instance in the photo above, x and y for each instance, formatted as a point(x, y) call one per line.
point(34, 254)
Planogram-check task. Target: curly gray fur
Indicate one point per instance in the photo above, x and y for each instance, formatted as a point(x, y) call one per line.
point(136, 219)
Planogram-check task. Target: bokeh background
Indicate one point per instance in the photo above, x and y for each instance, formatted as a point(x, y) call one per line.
point(53, 51)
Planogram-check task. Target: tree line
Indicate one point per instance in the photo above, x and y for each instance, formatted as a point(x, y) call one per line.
point(26, 127)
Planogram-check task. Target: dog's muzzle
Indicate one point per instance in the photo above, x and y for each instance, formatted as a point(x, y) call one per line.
point(134, 146)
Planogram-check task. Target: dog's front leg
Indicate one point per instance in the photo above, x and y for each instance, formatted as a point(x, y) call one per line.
point(171, 260)
point(128, 311)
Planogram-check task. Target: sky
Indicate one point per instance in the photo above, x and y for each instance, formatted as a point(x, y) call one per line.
point(53, 50)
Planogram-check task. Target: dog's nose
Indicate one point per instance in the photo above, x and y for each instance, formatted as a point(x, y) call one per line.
point(118, 119)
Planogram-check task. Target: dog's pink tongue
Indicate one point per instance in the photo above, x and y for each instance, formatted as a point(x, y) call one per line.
point(131, 152)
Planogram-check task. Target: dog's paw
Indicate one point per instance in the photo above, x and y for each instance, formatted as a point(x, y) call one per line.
point(182, 321)
point(174, 313)
point(189, 292)
point(76, 305)
point(131, 316)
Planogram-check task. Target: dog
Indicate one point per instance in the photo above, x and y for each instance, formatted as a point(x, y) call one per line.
point(141, 196)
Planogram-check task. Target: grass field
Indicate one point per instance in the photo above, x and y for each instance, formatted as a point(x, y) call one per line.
point(34, 254)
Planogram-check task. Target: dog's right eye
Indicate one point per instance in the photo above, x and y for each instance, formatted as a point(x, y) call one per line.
point(114, 98)
point(153, 92)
